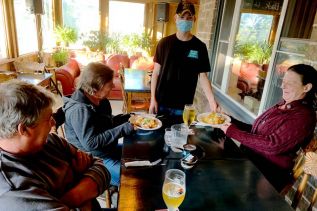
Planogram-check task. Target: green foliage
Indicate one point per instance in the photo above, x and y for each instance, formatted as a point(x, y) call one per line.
point(254, 52)
point(96, 41)
point(60, 57)
point(65, 35)
point(137, 43)
point(114, 44)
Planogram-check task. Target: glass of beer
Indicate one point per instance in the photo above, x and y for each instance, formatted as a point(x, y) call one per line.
point(174, 189)
point(189, 114)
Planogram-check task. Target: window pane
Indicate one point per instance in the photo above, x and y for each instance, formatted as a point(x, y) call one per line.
point(82, 15)
point(47, 25)
point(126, 17)
point(221, 59)
point(26, 28)
point(3, 49)
point(252, 53)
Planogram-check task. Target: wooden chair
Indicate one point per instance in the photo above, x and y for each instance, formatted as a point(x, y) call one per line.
point(303, 194)
point(59, 117)
point(138, 102)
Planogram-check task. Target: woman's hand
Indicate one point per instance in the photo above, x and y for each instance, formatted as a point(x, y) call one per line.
point(224, 127)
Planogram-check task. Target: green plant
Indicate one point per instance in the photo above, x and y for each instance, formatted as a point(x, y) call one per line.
point(259, 53)
point(114, 44)
point(65, 35)
point(60, 57)
point(137, 43)
point(96, 41)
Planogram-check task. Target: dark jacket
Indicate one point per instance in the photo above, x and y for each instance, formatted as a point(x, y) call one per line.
point(92, 128)
point(38, 181)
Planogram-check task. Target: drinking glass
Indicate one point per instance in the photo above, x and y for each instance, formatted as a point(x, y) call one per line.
point(189, 114)
point(168, 136)
point(174, 189)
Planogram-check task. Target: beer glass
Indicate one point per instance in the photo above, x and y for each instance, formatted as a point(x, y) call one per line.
point(189, 114)
point(174, 189)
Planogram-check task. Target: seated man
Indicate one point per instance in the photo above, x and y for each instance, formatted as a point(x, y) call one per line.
point(89, 124)
point(40, 171)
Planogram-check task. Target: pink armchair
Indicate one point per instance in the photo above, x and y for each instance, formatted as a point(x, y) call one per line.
point(114, 62)
point(67, 76)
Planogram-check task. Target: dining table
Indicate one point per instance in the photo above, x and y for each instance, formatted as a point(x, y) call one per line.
point(222, 179)
point(136, 85)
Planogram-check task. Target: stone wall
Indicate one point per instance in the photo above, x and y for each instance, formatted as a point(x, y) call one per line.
point(206, 22)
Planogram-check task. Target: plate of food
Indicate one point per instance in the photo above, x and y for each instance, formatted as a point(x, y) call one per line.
point(213, 119)
point(145, 122)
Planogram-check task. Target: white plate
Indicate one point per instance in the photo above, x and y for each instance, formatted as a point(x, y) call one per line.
point(159, 123)
point(200, 118)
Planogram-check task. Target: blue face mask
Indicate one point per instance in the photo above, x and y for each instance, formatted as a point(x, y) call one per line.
point(184, 26)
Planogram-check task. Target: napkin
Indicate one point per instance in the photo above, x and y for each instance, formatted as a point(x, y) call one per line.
point(141, 163)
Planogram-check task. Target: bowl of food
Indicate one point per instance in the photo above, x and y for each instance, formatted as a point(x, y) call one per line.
point(145, 122)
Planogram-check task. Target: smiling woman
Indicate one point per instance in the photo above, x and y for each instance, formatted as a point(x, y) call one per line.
point(276, 135)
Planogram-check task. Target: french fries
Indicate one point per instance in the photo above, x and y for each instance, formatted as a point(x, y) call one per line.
point(214, 118)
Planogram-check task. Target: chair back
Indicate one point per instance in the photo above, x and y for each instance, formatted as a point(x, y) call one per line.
point(29, 67)
point(303, 194)
point(124, 94)
point(59, 117)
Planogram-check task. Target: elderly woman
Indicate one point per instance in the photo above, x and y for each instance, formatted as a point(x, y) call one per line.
point(277, 134)
point(89, 124)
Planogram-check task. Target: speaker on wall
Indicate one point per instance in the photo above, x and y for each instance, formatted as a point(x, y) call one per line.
point(34, 6)
point(162, 12)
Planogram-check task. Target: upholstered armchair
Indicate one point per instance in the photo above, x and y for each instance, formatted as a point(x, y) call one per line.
point(67, 76)
point(114, 63)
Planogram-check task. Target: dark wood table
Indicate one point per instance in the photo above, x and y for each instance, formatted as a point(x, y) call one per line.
point(136, 85)
point(223, 179)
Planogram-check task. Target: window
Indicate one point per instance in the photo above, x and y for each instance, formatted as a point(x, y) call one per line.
point(252, 51)
point(82, 15)
point(244, 50)
point(47, 25)
point(296, 45)
point(126, 17)
point(26, 28)
point(3, 48)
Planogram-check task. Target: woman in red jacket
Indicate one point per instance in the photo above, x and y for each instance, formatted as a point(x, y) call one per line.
point(277, 134)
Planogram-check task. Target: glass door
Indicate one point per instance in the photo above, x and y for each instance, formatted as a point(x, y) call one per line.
point(252, 49)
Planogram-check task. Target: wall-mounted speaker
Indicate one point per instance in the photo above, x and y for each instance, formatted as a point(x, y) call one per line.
point(34, 6)
point(162, 12)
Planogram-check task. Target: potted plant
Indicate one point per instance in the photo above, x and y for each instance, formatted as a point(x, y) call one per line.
point(257, 53)
point(96, 41)
point(114, 44)
point(60, 57)
point(135, 43)
point(65, 35)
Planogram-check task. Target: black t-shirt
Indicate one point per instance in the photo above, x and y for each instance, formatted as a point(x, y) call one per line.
point(181, 62)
